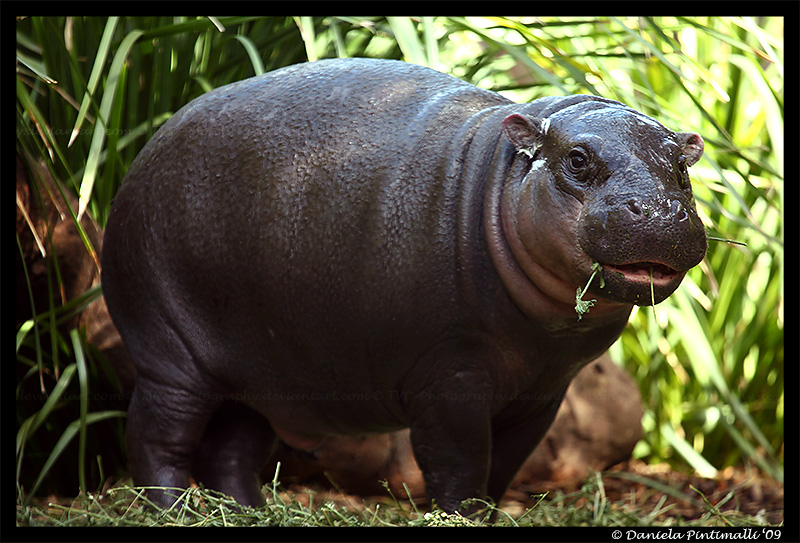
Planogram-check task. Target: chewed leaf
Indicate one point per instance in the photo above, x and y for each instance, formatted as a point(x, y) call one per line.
point(583, 306)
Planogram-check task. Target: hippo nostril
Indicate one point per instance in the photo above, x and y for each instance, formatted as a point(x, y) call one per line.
point(635, 206)
point(677, 211)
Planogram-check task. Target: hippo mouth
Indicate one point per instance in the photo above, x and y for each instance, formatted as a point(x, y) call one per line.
point(642, 272)
point(640, 283)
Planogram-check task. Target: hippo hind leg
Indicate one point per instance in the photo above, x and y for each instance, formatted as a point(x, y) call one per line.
point(234, 448)
point(180, 425)
point(164, 427)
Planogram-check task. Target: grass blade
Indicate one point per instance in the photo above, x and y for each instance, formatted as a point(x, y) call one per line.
point(32, 423)
point(80, 363)
point(94, 78)
point(252, 53)
point(98, 138)
point(698, 463)
point(66, 437)
point(407, 37)
point(306, 26)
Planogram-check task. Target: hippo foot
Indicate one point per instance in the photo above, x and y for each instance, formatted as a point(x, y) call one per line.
point(236, 444)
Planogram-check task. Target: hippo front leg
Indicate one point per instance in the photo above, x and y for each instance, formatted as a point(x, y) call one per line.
point(514, 439)
point(451, 427)
point(453, 454)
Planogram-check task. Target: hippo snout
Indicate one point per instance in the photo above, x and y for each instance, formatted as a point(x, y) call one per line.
point(641, 240)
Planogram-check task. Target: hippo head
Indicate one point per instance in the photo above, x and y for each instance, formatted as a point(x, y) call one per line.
point(605, 184)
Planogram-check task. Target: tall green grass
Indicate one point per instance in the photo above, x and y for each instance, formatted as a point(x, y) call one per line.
point(709, 360)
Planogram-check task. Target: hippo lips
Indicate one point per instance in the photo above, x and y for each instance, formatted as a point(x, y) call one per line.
point(640, 272)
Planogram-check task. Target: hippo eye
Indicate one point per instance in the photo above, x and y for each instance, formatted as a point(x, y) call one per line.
point(577, 160)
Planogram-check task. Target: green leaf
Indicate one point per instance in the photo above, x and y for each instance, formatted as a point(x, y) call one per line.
point(582, 306)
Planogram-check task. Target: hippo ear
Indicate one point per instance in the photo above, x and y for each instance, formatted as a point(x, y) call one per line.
point(692, 146)
point(525, 133)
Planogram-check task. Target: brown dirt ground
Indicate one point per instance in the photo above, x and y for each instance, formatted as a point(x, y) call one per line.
point(752, 494)
point(631, 484)
point(628, 483)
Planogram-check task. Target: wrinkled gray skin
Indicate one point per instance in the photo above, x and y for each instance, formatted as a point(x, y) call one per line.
point(357, 246)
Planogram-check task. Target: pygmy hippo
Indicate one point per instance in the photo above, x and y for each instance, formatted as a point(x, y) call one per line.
point(356, 246)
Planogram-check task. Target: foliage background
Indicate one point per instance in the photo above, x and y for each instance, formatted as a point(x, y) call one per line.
point(709, 360)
